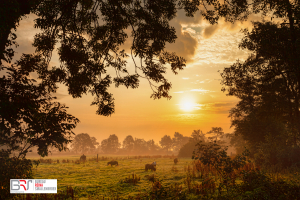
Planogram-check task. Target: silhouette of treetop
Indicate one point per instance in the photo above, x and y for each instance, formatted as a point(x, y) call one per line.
point(89, 35)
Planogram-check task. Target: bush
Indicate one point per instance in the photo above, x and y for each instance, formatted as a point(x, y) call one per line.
point(257, 185)
point(133, 179)
point(276, 152)
point(12, 168)
point(187, 149)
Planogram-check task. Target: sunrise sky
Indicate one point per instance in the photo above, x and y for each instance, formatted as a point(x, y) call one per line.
point(197, 101)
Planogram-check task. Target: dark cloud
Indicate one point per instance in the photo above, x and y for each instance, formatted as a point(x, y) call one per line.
point(210, 30)
point(185, 44)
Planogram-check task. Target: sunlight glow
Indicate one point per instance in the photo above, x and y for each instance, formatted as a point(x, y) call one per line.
point(188, 105)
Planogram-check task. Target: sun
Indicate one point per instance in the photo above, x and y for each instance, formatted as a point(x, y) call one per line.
point(187, 106)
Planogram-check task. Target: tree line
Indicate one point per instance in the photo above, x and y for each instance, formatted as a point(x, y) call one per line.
point(83, 143)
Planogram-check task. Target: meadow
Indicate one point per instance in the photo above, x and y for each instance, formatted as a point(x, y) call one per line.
point(95, 179)
point(185, 180)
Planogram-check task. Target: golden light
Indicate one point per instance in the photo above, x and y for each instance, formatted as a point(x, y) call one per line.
point(187, 104)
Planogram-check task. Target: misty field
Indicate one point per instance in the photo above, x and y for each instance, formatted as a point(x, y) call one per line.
point(186, 180)
point(92, 179)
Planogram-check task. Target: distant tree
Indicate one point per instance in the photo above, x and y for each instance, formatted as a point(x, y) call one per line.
point(166, 142)
point(187, 149)
point(52, 149)
point(217, 133)
point(128, 143)
point(178, 141)
point(111, 144)
point(152, 147)
point(198, 135)
point(140, 146)
point(94, 142)
point(83, 143)
point(104, 146)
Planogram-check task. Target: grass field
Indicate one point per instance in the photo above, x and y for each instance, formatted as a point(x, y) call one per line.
point(92, 179)
point(96, 180)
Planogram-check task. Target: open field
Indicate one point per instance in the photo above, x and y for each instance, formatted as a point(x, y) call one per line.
point(96, 180)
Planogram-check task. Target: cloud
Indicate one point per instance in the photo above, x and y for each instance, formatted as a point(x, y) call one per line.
point(221, 47)
point(217, 107)
point(183, 19)
point(190, 106)
point(200, 90)
point(202, 81)
point(190, 30)
point(179, 92)
point(224, 104)
point(210, 30)
point(185, 78)
point(25, 35)
point(185, 45)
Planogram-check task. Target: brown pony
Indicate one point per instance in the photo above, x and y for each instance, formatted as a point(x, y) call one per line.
point(175, 161)
point(83, 158)
point(111, 163)
point(150, 166)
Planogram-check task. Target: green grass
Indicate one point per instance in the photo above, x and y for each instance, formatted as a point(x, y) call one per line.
point(98, 179)
point(95, 180)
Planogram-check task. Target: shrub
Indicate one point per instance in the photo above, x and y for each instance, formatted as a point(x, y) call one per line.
point(187, 149)
point(257, 185)
point(160, 192)
point(151, 178)
point(133, 179)
point(12, 168)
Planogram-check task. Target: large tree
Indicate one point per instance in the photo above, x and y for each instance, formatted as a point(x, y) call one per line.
point(79, 17)
point(152, 146)
point(268, 86)
point(83, 143)
point(29, 116)
point(140, 146)
point(178, 141)
point(111, 144)
point(198, 135)
point(166, 142)
point(217, 133)
point(128, 143)
point(89, 35)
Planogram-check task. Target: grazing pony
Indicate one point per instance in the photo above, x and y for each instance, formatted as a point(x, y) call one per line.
point(111, 163)
point(150, 166)
point(175, 161)
point(83, 158)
